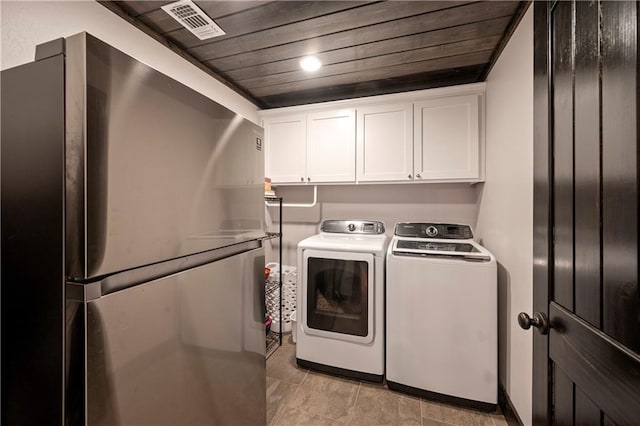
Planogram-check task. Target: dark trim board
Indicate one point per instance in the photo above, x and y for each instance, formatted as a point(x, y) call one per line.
point(542, 205)
point(376, 378)
point(484, 406)
point(426, 80)
point(508, 410)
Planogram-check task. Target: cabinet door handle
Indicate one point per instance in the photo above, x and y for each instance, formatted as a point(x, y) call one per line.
point(301, 179)
point(418, 176)
point(308, 179)
point(409, 176)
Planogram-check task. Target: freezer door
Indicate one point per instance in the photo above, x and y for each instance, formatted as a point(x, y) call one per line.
point(155, 170)
point(187, 349)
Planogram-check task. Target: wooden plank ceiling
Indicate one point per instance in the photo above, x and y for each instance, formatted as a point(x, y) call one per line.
point(366, 48)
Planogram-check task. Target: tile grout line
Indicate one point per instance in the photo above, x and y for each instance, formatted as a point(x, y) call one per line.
point(492, 420)
point(281, 413)
point(357, 394)
point(288, 399)
point(355, 402)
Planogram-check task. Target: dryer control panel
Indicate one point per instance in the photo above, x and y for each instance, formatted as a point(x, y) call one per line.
point(443, 231)
point(352, 227)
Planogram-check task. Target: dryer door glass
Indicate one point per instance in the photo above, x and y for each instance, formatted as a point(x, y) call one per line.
point(337, 295)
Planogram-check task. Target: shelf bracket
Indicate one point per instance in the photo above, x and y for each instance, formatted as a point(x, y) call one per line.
point(304, 205)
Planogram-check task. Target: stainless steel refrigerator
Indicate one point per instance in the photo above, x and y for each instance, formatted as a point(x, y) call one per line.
point(132, 259)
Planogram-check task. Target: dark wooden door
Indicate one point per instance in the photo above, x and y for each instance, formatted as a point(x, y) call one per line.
point(587, 368)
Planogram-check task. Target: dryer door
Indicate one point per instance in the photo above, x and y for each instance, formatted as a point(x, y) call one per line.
point(337, 295)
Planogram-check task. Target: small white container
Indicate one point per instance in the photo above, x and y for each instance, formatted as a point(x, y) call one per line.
point(294, 326)
point(275, 325)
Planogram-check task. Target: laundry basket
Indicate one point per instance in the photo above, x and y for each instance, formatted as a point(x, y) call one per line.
point(289, 276)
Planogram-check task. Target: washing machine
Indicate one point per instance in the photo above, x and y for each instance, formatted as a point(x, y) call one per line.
point(340, 304)
point(442, 315)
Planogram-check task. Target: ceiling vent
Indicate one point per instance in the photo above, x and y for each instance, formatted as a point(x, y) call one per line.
point(193, 19)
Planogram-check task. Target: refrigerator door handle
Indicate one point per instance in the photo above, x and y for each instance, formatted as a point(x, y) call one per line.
point(85, 292)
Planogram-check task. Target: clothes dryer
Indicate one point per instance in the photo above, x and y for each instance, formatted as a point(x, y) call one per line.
point(340, 317)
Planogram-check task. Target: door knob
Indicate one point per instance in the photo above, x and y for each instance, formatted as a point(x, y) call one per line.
point(539, 321)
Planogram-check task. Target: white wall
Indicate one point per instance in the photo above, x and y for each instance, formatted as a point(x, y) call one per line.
point(28, 23)
point(505, 218)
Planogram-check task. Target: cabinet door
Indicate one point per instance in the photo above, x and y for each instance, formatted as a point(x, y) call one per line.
point(285, 148)
point(385, 143)
point(331, 146)
point(446, 138)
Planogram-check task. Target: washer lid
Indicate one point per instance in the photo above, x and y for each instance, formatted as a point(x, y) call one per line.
point(462, 249)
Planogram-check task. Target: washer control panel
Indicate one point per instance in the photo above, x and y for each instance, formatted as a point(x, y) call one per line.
point(431, 231)
point(442, 231)
point(352, 227)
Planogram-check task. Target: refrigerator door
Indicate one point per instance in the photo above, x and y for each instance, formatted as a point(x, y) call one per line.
point(155, 170)
point(186, 349)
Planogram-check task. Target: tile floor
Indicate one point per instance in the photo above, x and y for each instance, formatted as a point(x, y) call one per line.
point(298, 397)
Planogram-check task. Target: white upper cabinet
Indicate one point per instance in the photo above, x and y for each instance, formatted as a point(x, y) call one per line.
point(286, 148)
point(433, 135)
point(385, 142)
point(446, 138)
point(331, 148)
point(319, 147)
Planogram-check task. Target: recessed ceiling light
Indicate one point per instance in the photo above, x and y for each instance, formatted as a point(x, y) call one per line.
point(310, 63)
